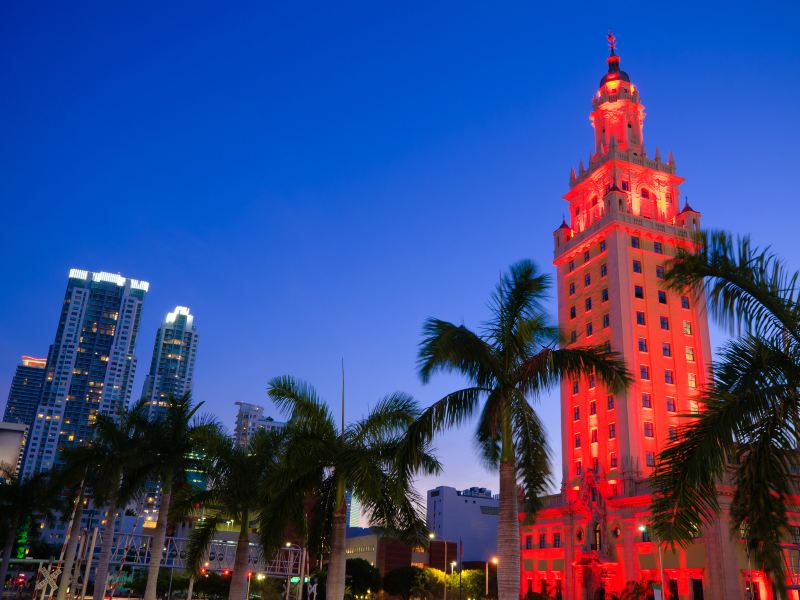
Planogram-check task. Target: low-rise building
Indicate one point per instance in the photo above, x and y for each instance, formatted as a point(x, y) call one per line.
point(468, 517)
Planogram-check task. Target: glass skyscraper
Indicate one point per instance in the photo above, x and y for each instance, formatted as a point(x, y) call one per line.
point(90, 366)
point(26, 389)
point(172, 366)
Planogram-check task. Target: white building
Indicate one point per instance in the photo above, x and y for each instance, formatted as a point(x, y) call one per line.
point(172, 367)
point(251, 419)
point(468, 516)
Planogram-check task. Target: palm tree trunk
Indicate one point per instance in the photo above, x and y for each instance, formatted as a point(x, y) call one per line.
point(238, 589)
point(103, 561)
point(508, 567)
point(8, 548)
point(72, 546)
point(157, 544)
point(334, 586)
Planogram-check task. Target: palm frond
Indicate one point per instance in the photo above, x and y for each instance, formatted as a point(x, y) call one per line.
point(548, 366)
point(199, 541)
point(533, 453)
point(447, 347)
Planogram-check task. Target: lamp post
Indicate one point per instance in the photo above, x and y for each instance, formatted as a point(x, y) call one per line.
point(432, 536)
point(494, 562)
point(643, 528)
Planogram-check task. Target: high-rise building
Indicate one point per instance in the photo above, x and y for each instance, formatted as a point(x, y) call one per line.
point(26, 390)
point(172, 366)
point(90, 366)
point(251, 419)
point(625, 224)
point(465, 517)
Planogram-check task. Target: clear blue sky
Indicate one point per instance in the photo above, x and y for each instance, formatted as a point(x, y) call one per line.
point(315, 179)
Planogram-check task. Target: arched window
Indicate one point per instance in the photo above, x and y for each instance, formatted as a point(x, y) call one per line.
point(596, 544)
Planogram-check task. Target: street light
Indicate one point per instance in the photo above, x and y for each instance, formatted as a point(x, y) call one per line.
point(643, 528)
point(432, 536)
point(494, 562)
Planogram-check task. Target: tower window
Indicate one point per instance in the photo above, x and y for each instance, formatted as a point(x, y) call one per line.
point(571, 265)
point(578, 467)
point(586, 256)
point(576, 413)
point(638, 292)
point(542, 540)
point(588, 304)
point(635, 241)
point(575, 387)
point(587, 280)
point(692, 380)
point(613, 459)
point(573, 336)
point(664, 321)
point(687, 327)
point(589, 330)
point(650, 461)
point(668, 377)
point(603, 270)
point(640, 317)
point(644, 372)
point(604, 295)
point(572, 312)
point(572, 288)
point(648, 429)
point(645, 194)
point(658, 247)
point(672, 433)
point(592, 407)
point(577, 440)
point(647, 401)
point(591, 383)
point(610, 401)
point(660, 272)
point(626, 186)
point(689, 354)
point(685, 302)
point(612, 431)
point(594, 436)
point(666, 349)
point(606, 321)
point(642, 344)
point(557, 540)
point(637, 266)
point(671, 404)
point(662, 297)
point(602, 245)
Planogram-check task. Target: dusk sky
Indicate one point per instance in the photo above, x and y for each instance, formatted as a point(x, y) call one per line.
point(315, 179)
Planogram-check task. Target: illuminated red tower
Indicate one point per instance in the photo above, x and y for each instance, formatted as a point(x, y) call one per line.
point(624, 224)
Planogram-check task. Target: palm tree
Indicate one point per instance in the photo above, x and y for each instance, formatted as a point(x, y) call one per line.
point(20, 500)
point(238, 479)
point(173, 440)
point(115, 466)
point(323, 461)
point(748, 429)
point(511, 362)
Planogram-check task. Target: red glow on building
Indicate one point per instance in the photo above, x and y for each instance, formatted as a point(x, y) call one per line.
point(624, 224)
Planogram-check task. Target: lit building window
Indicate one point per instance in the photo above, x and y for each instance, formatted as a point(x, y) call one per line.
point(687, 327)
point(689, 354)
point(692, 380)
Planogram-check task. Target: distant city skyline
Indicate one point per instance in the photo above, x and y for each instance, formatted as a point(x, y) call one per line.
point(314, 184)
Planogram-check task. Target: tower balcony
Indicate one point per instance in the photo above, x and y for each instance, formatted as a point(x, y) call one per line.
point(614, 215)
point(597, 160)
